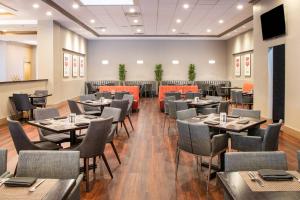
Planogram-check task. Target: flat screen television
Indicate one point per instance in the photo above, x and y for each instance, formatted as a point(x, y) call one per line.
point(273, 23)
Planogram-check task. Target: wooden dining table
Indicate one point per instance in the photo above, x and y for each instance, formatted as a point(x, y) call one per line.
point(50, 189)
point(96, 103)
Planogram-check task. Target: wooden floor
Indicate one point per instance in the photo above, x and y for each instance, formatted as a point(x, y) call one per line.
point(148, 168)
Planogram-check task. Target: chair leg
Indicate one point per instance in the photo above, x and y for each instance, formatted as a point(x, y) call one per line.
point(177, 161)
point(117, 128)
point(130, 121)
point(125, 129)
point(115, 150)
point(209, 171)
point(94, 164)
point(87, 178)
point(107, 165)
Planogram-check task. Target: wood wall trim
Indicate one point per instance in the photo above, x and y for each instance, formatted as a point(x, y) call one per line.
point(249, 19)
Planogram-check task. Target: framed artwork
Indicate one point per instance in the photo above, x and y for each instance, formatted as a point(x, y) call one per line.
point(75, 65)
point(247, 64)
point(81, 66)
point(67, 65)
point(237, 66)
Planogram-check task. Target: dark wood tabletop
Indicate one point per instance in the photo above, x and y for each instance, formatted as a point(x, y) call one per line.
point(202, 102)
point(238, 189)
point(96, 103)
point(34, 96)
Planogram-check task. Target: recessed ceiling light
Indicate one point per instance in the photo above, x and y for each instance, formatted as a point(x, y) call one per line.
point(138, 30)
point(175, 62)
point(173, 30)
point(135, 21)
point(208, 30)
point(4, 30)
point(132, 10)
point(235, 31)
point(103, 30)
point(244, 26)
point(185, 6)
point(104, 62)
point(2, 10)
point(211, 62)
point(75, 5)
point(92, 21)
point(221, 21)
point(240, 7)
point(49, 13)
point(178, 21)
point(108, 2)
point(140, 62)
point(36, 6)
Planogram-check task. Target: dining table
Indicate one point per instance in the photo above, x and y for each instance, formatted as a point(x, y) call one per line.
point(37, 96)
point(238, 186)
point(101, 103)
point(50, 189)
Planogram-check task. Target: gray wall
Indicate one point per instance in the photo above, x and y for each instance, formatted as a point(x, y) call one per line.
point(156, 52)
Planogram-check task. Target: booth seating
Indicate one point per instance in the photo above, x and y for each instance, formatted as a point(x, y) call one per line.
point(134, 90)
point(174, 88)
point(248, 87)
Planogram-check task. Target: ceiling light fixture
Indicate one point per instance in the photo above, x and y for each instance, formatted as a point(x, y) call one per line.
point(173, 30)
point(221, 21)
point(108, 2)
point(186, 6)
point(103, 30)
point(92, 21)
point(2, 10)
point(49, 13)
point(211, 62)
point(139, 62)
point(240, 7)
point(4, 30)
point(178, 21)
point(36, 6)
point(138, 30)
point(135, 21)
point(104, 62)
point(208, 30)
point(132, 10)
point(75, 5)
point(175, 62)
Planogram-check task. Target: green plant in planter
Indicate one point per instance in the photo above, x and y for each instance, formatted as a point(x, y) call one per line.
point(158, 72)
point(192, 72)
point(122, 73)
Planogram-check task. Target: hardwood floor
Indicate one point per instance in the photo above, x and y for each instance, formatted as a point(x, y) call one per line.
point(148, 162)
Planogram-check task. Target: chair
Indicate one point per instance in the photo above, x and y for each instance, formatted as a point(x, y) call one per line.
point(119, 95)
point(93, 144)
point(243, 100)
point(246, 113)
point(220, 92)
point(3, 162)
point(130, 99)
point(298, 158)
point(22, 103)
point(148, 89)
point(105, 95)
point(90, 88)
point(181, 105)
point(196, 139)
point(253, 161)
point(233, 97)
point(115, 113)
point(22, 142)
point(166, 108)
point(40, 102)
point(123, 105)
point(223, 106)
point(53, 165)
point(260, 139)
point(192, 95)
point(45, 135)
point(186, 114)
point(74, 108)
point(86, 108)
point(214, 98)
point(177, 95)
point(171, 112)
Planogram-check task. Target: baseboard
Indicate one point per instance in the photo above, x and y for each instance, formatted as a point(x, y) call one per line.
point(291, 132)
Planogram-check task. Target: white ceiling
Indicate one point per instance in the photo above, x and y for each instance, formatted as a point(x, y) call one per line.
point(158, 17)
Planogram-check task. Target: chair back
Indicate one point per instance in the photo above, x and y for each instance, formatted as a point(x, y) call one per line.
point(129, 98)
point(186, 114)
point(90, 88)
point(166, 103)
point(172, 109)
point(91, 97)
point(233, 96)
point(74, 108)
point(45, 113)
point(246, 113)
point(184, 137)
point(189, 95)
point(223, 107)
point(119, 95)
point(40, 93)
point(177, 95)
point(214, 98)
point(123, 105)
point(111, 112)
point(106, 95)
point(181, 105)
point(94, 142)
point(3, 161)
point(298, 158)
point(239, 97)
point(22, 102)
point(48, 164)
point(200, 138)
point(271, 137)
point(19, 137)
point(247, 161)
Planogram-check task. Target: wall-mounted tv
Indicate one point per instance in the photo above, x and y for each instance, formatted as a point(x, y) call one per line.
point(273, 23)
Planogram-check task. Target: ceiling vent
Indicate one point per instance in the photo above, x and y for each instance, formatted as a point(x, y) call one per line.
point(135, 14)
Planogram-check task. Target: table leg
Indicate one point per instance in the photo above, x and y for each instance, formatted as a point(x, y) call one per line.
point(73, 137)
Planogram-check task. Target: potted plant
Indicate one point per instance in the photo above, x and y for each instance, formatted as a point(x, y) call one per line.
point(122, 73)
point(158, 75)
point(192, 73)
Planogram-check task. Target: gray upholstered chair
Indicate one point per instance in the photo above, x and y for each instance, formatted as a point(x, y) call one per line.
point(3, 162)
point(243, 100)
point(166, 108)
point(123, 105)
point(22, 142)
point(115, 113)
point(247, 161)
point(181, 105)
point(223, 106)
point(87, 108)
point(177, 95)
point(51, 164)
point(186, 114)
point(298, 158)
point(93, 144)
point(192, 95)
point(172, 115)
point(246, 113)
point(40, 102)
point(130, 99)
point(260, 139)
point(214, 98)
point(119, 95)
point(106, 95)
point(233, 99)
point(196, 139)
point(74, 108)
point(45, 135)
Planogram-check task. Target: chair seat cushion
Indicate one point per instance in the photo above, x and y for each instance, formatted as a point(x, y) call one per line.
point(58, 138)
point(47, 145)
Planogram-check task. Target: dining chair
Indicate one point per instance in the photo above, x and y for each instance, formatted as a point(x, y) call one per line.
point(74, 108)
point(243, 100)
point(148, 89)
point(45, 135)
point(119, 95)
point(90, 88)
point(181, 105)
point(86, 108)
point(177, 95)
point(246, 113)
point(223, 106)
point(3, 162)
point(166, 108)
point(233, 96)
point(219, 91)
point(105, 95)
point(130, 99)
point(298, 158)
point(40, 102)
point(197, 140)
point(52, 165)
point(123, 105)
point(259, 140)
point(186, 114)
point(115, 113)
point(172, 115)
point(93, 144)
point(22, 104)
point(22, 142)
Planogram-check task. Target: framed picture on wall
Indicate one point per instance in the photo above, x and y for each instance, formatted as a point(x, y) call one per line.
point(75, 65)
point(247, 64)
point(81, 66)
point(67, 65)
point(237, 65)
